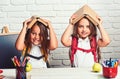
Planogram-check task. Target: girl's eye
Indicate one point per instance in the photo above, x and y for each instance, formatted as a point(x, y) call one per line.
point(33, 33)
point(80, 26)
point(88, 26)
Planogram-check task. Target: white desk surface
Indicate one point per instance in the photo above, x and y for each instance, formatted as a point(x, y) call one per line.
point(59, 73)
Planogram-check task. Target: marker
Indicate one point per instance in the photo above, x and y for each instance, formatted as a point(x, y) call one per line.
point(13, 61)
point(16, 61)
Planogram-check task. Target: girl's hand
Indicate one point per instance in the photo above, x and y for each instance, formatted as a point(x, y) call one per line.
point(26, 22)
point(100, 20)
point(72, 18)
point(48, 22)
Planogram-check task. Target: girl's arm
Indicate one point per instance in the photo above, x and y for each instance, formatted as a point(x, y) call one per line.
point(21, 38)
point(53, 39)
point(104, 40)
point(65, 39)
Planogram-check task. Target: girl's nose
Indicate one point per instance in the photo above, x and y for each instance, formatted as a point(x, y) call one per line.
point(37, 36)
point(84, 28)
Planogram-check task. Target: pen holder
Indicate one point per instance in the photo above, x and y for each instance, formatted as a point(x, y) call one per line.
point(20, 73)
point(110, 72)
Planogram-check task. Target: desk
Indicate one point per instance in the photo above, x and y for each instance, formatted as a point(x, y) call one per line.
point(58, 73)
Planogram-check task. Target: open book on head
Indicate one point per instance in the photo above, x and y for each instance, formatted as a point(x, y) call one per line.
point(35, 19)
point(86, 11)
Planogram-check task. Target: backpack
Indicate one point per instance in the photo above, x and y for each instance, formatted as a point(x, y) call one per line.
point(93, 49)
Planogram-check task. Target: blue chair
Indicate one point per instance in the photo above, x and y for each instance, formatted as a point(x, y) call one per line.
point(8, 50)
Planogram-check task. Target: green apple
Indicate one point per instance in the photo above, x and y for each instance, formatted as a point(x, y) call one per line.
point(28, 67)
point(96, 67)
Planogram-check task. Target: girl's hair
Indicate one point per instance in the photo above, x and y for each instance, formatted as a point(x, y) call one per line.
point(43, 38)
point(92, 28)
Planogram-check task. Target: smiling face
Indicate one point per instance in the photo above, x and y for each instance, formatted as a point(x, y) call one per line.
point(35, 35)
point(84, 28)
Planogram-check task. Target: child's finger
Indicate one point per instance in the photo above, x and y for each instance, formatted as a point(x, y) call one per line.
point(26, 22)
point(99, 18)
